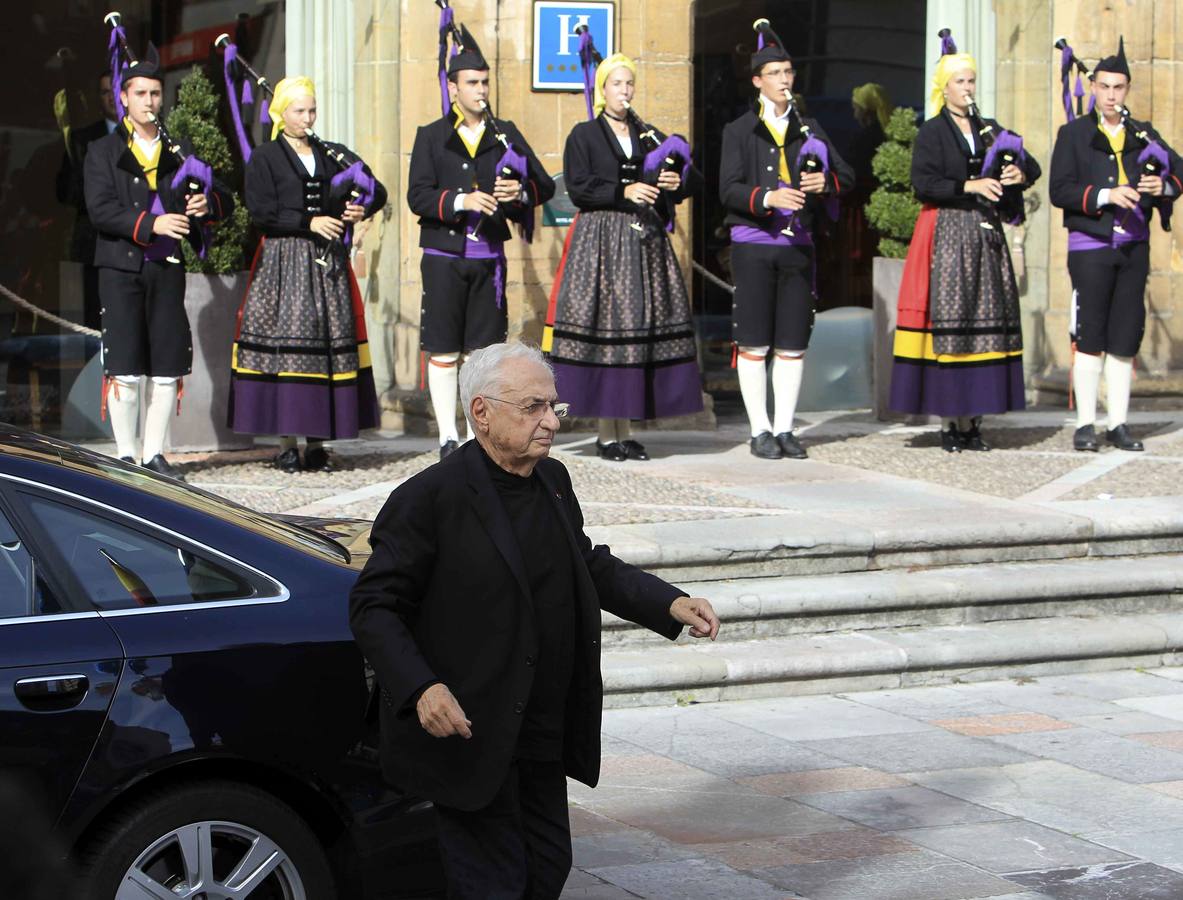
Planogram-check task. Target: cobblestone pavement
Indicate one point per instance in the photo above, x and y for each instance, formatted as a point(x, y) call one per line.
point(1060, 788)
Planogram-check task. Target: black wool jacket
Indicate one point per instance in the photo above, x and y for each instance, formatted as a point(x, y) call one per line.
point(445, 597)
point(117, 200)
point(749, 169)
point(282, 197)
point(1083, 163)
point(441, 168)
point(597, 171)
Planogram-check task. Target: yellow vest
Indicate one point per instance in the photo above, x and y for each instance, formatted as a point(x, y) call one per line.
point(1116, 144)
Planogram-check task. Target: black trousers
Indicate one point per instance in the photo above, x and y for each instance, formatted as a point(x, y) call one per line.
point(773, 303)
point(459, 311)
point(1110, 287)
point(516, 848)
point(145, 327)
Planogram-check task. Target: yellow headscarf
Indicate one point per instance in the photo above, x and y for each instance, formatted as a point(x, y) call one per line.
point(287, 91)
point(873, 98)
point(603, 70)
point(950, 65)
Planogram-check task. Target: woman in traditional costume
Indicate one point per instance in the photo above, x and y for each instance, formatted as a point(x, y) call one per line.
point(301, 364)
point(958, 342)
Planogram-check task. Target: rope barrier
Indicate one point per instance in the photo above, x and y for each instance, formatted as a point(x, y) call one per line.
point(712, 277)
point(41, 313)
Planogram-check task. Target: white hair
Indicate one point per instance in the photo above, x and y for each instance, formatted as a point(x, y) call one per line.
point(481, 373)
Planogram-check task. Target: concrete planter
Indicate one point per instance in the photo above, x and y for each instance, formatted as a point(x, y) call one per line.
point(211, 302)
point(886, 275)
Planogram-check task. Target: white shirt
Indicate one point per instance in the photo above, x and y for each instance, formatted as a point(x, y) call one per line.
point(778, 125)
point(308, 160)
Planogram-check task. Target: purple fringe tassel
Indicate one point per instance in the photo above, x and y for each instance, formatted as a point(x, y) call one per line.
point(675, 147)
point(357, 177)
point(244, 145)
point(518, 164)
point(117, 68)
point(446, 19)
point(203, 174)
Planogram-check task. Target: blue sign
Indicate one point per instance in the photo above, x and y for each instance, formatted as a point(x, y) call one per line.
point(556, 42)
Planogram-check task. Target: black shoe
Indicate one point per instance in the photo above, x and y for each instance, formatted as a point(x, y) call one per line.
point(1085, 438)
point(790, 447)
point(447, 448)
point(951, 440)
point(130, 460)
point(613, 451)
point(635, 450)
point(161, 466)
point(765, 446)
point(1121, 438)
point(319, 459)
point(972, 439)
point(288, 461)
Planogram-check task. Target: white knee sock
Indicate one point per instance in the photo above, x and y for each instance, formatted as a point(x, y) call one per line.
point(1119, 373)
point(753, 386)
point(1086, 376)
point(162, 406)
point(442, 377)
point(786, 387)
point(123, 408)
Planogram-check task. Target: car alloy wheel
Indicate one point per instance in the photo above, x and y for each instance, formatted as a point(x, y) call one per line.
point(213, 860)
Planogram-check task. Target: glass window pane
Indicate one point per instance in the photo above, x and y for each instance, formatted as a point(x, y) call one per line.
point(121, 568)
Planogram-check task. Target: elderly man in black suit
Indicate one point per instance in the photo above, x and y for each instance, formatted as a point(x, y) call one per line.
point(480, 613)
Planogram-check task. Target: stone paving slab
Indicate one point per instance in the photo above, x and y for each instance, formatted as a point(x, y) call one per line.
point(1109, 881)
point(1011, 846)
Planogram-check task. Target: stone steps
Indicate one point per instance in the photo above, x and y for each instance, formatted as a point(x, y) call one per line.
point(761, 608)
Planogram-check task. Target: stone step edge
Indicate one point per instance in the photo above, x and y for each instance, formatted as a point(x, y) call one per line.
point(682, 667)
point(792, 596)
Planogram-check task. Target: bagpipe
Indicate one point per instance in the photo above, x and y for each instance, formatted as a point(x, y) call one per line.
point(813, 155)
point(352, 183)
point(513, 165)
point(195, 174)
point(1153, 159)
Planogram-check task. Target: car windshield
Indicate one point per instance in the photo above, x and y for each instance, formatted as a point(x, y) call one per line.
point(78, 458)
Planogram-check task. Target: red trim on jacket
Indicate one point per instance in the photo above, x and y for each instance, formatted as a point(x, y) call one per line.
point(837, 186)
point(752, 203)
point(136, 230)
point(1178, 183)
point(218, 200)
point(443, 194)
point(1084, 203)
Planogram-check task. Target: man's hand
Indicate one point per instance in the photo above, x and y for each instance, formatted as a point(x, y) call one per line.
point(1150, 184)
point(785, 198)
point(479, 201)
point(698, 614)
point(813, 182)
point(990, 188)
point(669, 181)
point(354, 213)
point(639, 192)
point(440, 714)
point(196, 205)
point(1124, 197)
point(1012, 175)
point(173, 225)
point(326, 227)
point(507, 190)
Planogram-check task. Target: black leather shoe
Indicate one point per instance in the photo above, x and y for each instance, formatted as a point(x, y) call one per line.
point(765, 446)
point(635, 450)
point(319, 459)
point(1085, 438)
point(1121, 438)
point(972, 439)
point(447, 448)
point(790, 447)
point(161, 466)
point(288, 461)
point(613, 450)
point(951, 441)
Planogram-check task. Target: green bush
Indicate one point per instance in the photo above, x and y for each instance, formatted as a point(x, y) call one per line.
point(893, 208)
point(195, 118)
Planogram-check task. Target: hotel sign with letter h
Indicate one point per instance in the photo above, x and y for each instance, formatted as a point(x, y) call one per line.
point(556, 42)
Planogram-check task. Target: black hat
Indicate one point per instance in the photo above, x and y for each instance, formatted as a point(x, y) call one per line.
point(1117, 63)
point(469, 57)
point(769, 47)
point(148, 66)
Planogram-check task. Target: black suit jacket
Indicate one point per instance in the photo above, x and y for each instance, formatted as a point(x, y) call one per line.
point(69, 177)
point(277, 194)
point(1083, 163)
point(117, 200)
point(592, 160)
point(749, 167)
point(445, 597)
point(441, 168)
point(942, 163)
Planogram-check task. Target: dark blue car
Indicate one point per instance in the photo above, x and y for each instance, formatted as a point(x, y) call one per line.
point(181, 701)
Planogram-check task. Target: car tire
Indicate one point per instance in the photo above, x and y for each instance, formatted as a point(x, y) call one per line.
point(238, 823)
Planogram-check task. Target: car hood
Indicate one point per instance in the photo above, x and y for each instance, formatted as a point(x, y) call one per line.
point(352, 534)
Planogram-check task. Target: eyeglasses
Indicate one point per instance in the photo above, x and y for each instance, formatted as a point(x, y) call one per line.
point(776, 73)
point(538, 408)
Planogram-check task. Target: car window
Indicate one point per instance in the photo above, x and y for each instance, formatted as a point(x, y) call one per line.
point(119, 567)
point(23, 591)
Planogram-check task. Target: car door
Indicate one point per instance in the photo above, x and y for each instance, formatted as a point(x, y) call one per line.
point(59, 667)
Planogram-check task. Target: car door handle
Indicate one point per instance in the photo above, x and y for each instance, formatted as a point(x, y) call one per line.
point(52, 692)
